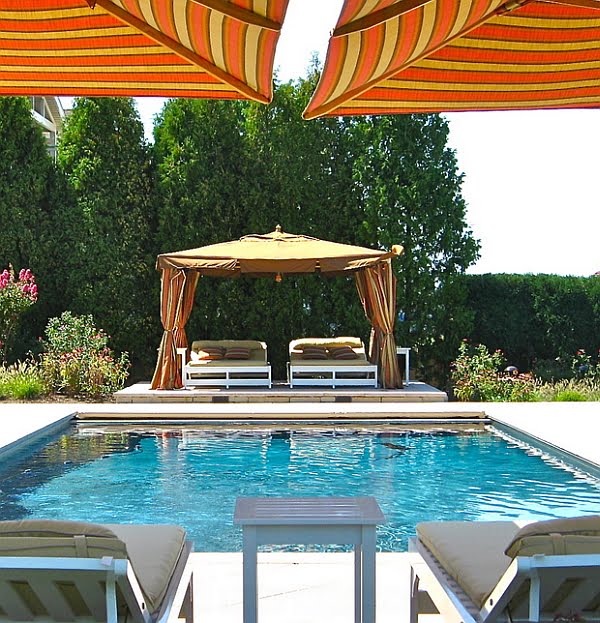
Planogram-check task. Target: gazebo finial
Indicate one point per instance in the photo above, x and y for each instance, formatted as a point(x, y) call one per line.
point(278, 229)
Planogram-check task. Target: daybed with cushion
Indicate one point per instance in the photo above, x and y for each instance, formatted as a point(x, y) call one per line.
point(55, 571)
point(488, 571)
point(330, 362)
point(222, 363)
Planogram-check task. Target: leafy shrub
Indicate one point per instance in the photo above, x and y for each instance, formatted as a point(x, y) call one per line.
point(16, 296)
point(77, 360)
point(552, 370)
point(534, 317)
point(477, 376)
point(584, 367)
point(22, 381)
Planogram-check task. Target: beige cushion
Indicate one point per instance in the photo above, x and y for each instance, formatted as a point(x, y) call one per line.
point(226, 363)
point(575, 535)
point(209, 353)
point(336, 363)
point(237, 352)
point(342, 353)
point(63, 539)
point(326, 342)
point(153, 551)
point(296, 350)
point(258, 350)
point(471, 552)
point(314, 352)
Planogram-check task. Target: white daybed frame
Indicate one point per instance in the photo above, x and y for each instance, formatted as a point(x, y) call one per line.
point(329, 374)
point(223, 373)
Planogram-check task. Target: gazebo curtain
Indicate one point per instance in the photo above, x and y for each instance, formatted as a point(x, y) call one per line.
point(377, 290)
point(177, 299)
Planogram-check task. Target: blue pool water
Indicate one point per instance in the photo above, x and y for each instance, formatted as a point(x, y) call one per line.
point(193, 476)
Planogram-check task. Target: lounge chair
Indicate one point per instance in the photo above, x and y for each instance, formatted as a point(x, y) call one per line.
point(488, 571)
point(55, 571)
point(225, 363)
point(314, 362)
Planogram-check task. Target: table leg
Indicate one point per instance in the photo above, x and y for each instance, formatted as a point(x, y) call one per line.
point(358, 588)
point(249, 569)
point(368, 574)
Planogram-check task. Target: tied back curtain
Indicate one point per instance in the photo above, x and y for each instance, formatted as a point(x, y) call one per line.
point(377, 290)
point(177, 297)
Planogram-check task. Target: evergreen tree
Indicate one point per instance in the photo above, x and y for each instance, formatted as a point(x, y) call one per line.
point(28, 183)
point(412, 194)
point(106, 233)
point(25, 173)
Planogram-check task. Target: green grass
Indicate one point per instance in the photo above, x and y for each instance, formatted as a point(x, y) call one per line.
point(21, 381)
point(569, 396)
point(571, 390)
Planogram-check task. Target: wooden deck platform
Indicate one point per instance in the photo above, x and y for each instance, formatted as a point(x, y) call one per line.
point(280, 393)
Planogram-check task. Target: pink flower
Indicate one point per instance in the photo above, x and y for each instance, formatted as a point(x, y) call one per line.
point(21, 274)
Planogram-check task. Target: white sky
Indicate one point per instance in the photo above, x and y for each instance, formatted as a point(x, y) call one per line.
point(532, 178)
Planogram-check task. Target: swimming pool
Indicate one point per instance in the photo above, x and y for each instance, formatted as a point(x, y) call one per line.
point(192, 475)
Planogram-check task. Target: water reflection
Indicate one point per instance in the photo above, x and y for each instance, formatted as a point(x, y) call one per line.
point(192, 475)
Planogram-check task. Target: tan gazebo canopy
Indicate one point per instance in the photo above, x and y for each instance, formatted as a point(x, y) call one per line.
point(270, 255)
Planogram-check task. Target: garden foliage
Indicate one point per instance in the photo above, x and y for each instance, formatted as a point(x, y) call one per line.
point(17, 295)
point(480, 375)
point(77, 360)
point(22, 380)
point(536, 319)
point(91, 226)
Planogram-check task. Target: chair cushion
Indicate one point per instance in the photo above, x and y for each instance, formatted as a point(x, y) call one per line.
point(327, 342)
point(62, 539)
point(343, 352)
point(208, 353)
point(154, 551)
point(258, 350)
point(471, 552)
point(314, 352)
point(237, 352)
point(574, 535)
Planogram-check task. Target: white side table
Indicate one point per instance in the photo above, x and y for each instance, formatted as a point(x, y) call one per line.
point(290, 520)
point(403, 350)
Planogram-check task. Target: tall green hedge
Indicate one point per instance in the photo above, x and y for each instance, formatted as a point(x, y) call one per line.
point(535, 317)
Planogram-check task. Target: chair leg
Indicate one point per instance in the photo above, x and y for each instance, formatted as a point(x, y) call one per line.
point(187, 608)
point(414, 596)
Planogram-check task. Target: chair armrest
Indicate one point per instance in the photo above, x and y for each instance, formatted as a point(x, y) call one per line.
point(181, 351)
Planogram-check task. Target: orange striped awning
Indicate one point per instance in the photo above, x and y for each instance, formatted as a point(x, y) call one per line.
point(221, 49)
point(395, 56)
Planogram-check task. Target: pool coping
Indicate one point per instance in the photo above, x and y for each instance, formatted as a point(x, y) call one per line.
point(563, 429)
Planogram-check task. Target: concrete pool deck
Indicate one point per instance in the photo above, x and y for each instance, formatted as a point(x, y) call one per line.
point(298, 587)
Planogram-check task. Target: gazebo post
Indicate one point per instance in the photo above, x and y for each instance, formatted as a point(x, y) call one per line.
point(377, 290)
point(177, 298)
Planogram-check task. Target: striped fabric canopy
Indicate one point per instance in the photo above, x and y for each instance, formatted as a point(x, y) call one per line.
point(221, 49)
point(394, 56)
